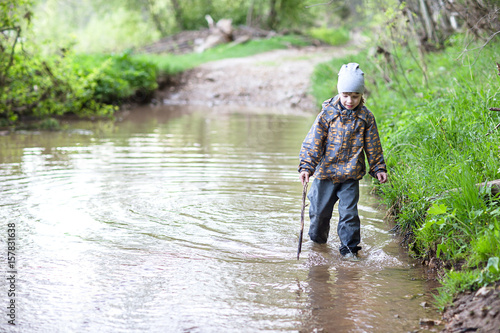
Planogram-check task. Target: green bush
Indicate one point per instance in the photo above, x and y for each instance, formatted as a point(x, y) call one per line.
point(44, 86)
point(120, 77)
point(84, 85)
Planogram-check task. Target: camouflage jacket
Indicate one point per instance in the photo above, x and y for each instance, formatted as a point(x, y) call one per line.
point(337, 142)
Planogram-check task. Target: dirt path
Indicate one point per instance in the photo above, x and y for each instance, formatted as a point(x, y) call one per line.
point(277, 79)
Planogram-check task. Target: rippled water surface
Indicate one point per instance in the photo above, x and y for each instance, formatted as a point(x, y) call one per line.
point(187, 221)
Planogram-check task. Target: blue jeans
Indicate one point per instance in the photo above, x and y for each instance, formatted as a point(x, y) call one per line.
point(322, 197)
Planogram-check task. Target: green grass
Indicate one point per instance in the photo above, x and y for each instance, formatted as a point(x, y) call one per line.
point(467, 280)
point(333, 37)
point(454, 283)
point(172, 64)
point(439, 141)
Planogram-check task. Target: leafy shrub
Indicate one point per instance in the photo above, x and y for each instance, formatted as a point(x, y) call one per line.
point(83, 85)
point(44, 86)
point(120, 77)
point(490, 274)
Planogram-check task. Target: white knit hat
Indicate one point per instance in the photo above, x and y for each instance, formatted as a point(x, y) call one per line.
point(351, 79)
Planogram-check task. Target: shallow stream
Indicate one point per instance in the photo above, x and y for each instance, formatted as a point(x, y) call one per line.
point(182, 220)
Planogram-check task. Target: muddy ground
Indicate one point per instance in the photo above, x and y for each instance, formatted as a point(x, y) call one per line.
point(280, 80)
point(477, 311)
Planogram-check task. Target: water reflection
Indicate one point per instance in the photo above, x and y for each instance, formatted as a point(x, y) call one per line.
point(178, 220)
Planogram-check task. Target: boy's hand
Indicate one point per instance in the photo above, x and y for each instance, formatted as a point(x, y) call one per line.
point(382, 177)
point(304, 177)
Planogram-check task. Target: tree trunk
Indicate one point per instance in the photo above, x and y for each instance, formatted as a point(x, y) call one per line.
point(156, 18)
point(428, 23)
point(445, 18)
point(272, 15)
point(178, 14)
point(250, 13)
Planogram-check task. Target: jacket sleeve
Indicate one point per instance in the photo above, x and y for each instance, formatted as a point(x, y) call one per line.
point(313, 146)
point(373, 149)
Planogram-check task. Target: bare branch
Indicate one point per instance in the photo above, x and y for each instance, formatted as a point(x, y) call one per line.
point(480, 48)
point(496, 127)
point(3, 76)
point(18, 30)
point(7, 29)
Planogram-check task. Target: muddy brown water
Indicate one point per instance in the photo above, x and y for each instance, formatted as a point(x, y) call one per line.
point(183, 220)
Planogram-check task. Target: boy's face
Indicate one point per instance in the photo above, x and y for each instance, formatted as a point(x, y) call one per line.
point(350, 99)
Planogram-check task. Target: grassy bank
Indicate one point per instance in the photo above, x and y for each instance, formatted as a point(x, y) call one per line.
point(440, 140)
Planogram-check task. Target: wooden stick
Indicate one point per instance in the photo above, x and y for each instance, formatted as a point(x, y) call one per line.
point(496, 127)
point(304, 192)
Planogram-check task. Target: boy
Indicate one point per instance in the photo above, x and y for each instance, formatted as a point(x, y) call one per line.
point(334, 151)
